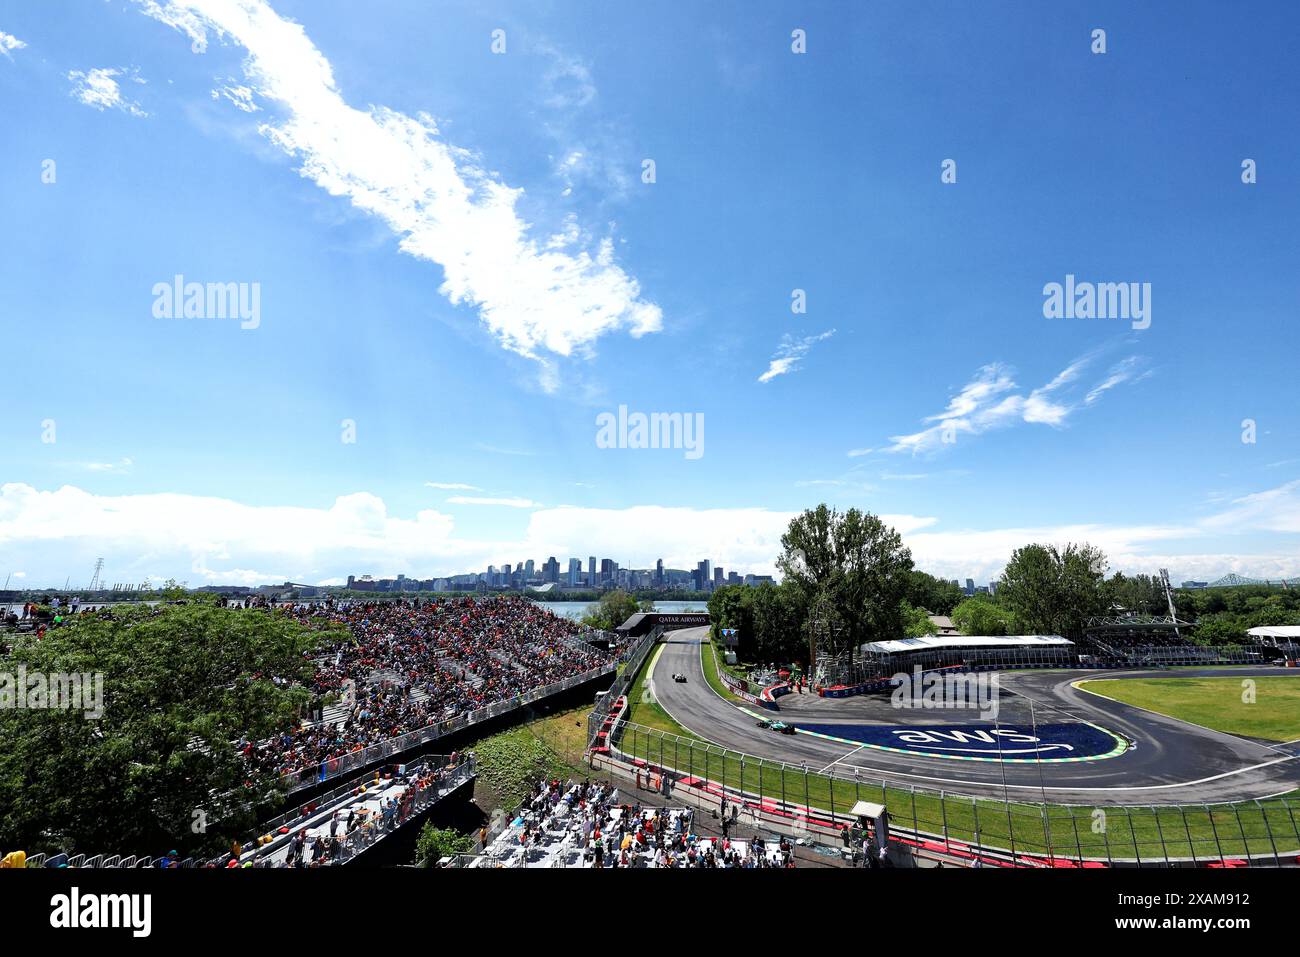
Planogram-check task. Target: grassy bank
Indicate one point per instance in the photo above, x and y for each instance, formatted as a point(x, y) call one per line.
point(513, 760)
point(709, 660)
point(1273, 713)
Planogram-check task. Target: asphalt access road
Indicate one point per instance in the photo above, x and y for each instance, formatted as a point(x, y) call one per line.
point(1168, 762)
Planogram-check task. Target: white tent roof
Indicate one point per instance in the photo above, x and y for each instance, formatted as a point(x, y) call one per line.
point(926, 642)
point(1274, 631)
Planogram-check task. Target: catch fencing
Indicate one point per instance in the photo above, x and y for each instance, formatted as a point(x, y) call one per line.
point(801, 800)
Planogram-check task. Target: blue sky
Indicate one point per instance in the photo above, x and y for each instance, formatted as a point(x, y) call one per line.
point(456, 253)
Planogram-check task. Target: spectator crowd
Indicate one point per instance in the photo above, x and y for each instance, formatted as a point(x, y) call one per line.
point(410, 664)
point(584, 825)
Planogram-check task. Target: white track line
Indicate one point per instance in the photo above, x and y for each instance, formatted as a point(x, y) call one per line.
point(841, 758)
point(1081, 788)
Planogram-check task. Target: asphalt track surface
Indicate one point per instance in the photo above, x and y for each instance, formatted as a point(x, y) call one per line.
point(1167, 761)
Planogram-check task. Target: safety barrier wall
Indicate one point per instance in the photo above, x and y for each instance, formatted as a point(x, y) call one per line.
point(632, 659)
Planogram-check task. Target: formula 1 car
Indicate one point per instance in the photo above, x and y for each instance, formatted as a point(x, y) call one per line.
point(680, 679)
point(780, 727)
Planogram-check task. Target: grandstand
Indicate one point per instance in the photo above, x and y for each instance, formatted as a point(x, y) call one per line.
point(874, 662)
point(1281, 638)
point(329, 831)
point(1151, 640)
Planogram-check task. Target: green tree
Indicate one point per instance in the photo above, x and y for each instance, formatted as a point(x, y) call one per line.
point(1054, 591)
point(916, 622)
point(935, 595)
point(857, 562)
point(435, 843)
point(1140, 594)
point(614, 608)
point(159, 767)
point(980, 616)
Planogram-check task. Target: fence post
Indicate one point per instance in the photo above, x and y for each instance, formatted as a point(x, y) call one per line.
point(1078, 845)
point(1133, 832)
point(1160, 833)
point(1214, 830)
point(943, 816)
point(1295, 831)
point(1268, 829)
point(1191, 844)
point(975, 809)
point(1245, 841)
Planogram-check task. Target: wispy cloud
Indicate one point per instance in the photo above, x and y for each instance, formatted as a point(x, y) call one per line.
point(121, 466)
point(993, 400)
point(499, 450)
point(539, 296)
point(1127, 370)
point(790, 353)
point(99, 89)
point(453, 486)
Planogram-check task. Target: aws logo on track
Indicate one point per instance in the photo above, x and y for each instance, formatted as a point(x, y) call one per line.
point(1003, 741)
point(1074, 741)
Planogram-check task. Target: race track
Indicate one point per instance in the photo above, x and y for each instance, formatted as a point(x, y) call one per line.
point(1157, 760)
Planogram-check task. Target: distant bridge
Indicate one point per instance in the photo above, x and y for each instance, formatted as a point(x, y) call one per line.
point(1231, 581)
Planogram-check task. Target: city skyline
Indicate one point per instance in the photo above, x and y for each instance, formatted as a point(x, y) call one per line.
point(461, 255)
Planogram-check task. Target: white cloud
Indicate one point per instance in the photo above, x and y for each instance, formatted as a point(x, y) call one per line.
point(790, 352)
point(241, 96)
point(99, 89)
point(161, 535)
point(539, 297)
point(1275, 510)
point(992, 400)
point(453, 486)
point(8, 43)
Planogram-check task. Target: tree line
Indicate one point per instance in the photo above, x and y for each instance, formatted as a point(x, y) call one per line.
point(848, 579)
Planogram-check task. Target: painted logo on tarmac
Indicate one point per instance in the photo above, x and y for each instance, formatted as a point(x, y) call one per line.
point(981, 742)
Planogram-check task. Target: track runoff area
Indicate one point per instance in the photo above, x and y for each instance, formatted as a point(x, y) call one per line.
point(1035, 737)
